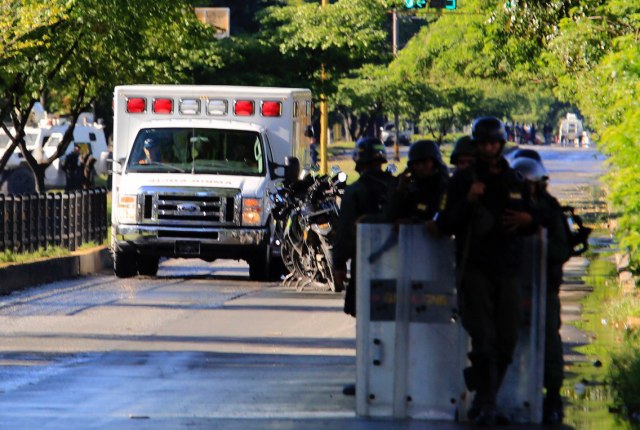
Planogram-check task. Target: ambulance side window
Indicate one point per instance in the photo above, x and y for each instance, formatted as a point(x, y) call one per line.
point(270, 163)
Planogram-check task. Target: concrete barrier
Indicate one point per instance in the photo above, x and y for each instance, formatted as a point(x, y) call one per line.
point(14, 277)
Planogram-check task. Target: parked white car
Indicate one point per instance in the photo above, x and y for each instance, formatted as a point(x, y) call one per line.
point(387, 135)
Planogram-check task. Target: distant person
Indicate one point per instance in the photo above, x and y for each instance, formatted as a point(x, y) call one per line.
point(547, 131)
point(72, 169)
point(87, 162)
point(532, 134)
point(314, 152)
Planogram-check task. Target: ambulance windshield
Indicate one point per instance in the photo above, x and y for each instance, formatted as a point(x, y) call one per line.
point(197, 150)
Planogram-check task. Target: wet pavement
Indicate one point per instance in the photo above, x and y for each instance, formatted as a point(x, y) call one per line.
point(202, 347)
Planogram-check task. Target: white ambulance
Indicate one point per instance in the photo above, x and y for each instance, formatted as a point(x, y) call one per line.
point(192, 168)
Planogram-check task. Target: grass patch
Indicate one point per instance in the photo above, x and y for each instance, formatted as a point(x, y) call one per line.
point(610, 380)
point(625, 378)
point(8, 257)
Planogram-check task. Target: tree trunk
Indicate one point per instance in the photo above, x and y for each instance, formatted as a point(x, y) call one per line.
point(38, 172)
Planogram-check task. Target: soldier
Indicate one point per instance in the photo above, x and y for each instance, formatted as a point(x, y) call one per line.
point(363, 197)
point(421, 187)
point(464, 153)
point(558, 252)
point(488, 210)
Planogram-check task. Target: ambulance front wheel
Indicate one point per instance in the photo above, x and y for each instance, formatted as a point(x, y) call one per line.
point(148, 265)
point(125, 264)
point(259, 264)
point(263, 266)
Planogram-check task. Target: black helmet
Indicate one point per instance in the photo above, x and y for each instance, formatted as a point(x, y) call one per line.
point(530, 169)
point(369, 149)
point(463, 146)
point(488, 129)
point(422, 150)
point(527, 153)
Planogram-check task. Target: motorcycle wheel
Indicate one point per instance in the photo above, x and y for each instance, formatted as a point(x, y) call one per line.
point(304, 261)
point(326, 268)
point(286, 251)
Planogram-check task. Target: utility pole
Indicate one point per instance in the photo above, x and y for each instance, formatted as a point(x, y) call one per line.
point(324, 117)
point(394, 38)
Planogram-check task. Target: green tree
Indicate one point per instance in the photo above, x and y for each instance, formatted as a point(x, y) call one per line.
point(92, 46)
point(596, 54)
point(343, 36)
point(360, 99)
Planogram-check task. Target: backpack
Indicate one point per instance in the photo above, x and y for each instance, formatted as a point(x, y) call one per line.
point(577, 233)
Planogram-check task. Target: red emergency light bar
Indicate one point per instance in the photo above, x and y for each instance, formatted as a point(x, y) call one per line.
point(271, 108)
point(162, 106)
point(268, 108)
point(243, 108)
point(136, 105)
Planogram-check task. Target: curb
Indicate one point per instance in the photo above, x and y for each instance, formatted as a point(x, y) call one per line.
point(20, 276)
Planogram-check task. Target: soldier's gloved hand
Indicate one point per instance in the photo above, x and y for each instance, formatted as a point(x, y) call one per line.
point(403, 179)
point(475, 192)
point(515, 220)
point(340, 278)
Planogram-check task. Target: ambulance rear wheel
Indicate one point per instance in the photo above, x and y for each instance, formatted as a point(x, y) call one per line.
point(125, 264)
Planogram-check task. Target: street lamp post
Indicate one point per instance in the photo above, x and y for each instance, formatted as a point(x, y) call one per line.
point(324, 117)
point(396, 137)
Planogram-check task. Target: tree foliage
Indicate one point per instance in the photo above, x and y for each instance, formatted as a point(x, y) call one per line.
point(76, 51)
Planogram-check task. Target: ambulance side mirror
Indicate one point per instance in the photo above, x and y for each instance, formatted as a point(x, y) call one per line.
point(291, 170)
point(116, 166)
point(278, 170)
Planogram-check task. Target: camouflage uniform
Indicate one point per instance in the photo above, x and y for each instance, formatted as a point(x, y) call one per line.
point(363, 197)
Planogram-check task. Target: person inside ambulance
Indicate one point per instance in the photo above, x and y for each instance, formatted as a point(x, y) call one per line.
point(247, 151)
point(151, 150)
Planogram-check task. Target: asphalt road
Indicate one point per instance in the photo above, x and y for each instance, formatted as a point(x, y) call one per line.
point(200, 346)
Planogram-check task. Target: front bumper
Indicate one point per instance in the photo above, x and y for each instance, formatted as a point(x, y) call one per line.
point(234, 243)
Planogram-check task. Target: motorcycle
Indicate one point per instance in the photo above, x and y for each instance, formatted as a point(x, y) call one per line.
point(305, 215)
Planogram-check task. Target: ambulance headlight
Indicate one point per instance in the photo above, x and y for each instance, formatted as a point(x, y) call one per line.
point(127, 209)
point(251, 212)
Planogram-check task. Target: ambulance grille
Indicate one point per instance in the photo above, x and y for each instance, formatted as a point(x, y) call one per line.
point(185, 209)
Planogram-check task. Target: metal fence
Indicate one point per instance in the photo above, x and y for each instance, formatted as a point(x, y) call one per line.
point(32, 221)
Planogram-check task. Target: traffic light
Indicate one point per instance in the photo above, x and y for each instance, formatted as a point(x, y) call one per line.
point(415, 4)
point(450, 4)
